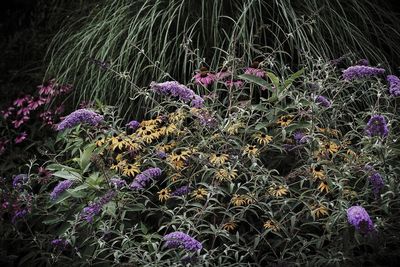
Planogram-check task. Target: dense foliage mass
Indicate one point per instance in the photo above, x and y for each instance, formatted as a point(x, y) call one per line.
point(246, 165)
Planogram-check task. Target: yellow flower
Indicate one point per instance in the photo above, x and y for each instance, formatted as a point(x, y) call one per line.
point(262, 138)
point(171, 129)
point(238, 200)
point(164, 194)
point(319, 210)
point(100, 141)
point(328, 131)
point(176, 164)
point(180, 155)
point(226, 174)
point(284, 121)
point(349, 194)
point(218, 159)
point(177, 116)
point(234, 128)
point(119, 158)
point(277, 190)
point(121, 164)
point(166, 147)
point(133, 146)
point(330, 147)
point(323, 186)
point(149, 136)
point(229, 226)
point(117, 142)
point(131, 169)
point(175, 177)
point(142, 130)
point(250, 151)
point(271, 224)
point(199, 193)
point(153, 122)
point(318, 172)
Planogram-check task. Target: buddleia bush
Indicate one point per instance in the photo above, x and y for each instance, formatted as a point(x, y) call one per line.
point(265, 167)
point(152, 40)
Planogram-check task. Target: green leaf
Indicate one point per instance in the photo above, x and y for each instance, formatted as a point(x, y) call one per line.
point(293, 77)
point(257, 80)
point(85, 156)
point(274, 79)
point(69, 175)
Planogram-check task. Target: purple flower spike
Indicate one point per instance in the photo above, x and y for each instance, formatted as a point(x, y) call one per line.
point(359, 72)
point(176, 89)
point(19, 180)
point(181, 191)
point(394, 85)
point(323, 101)
point(80, 116)
point(60, 243)
point(60, 188)
point(377, 126)
point(182, 240)
point(142, 179)
point(133, 125)
point(377, 183)
point(118, 183)
point(359, 218)
point(94, 208)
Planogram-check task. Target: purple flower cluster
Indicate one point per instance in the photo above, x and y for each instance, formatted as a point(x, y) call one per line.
point(300, 137)
point(161, 154)
point(133, 125)
point(181, 191)
point(60, 188)
point(94, 208)
point(377, 126)
point(60, 243)
point(323, 101)
point(182, 240)
point(377, 183)
point(359, 218)
point(176, 89)
point(141, 180)
point(117, 182)
point(359, 72)
point(394, 85)
point(80, 116)
point(19, 213)
point(19, 180)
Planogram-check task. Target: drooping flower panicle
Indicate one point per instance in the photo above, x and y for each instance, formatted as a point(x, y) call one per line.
point(181, 191)
point(359, 218)
point(60, 188)
point(394, 85)
point(359, 72)
point(377, 183)
point(142, 179)
point(323, 101)
point(176, 89)
point(182, 240)
point(78, 117)
point(94, 208)
point(377, 126)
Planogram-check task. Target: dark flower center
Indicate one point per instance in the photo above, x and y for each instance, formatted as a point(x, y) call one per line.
point(263, 136)
point(218, 155)
point(255, 64)
point(144, 128)
point(318, 168)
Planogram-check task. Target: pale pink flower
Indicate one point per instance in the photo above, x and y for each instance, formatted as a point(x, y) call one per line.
point(236, 84)
point(255, 70)
point(204, 77)
point(223, 74)
point(20, 138)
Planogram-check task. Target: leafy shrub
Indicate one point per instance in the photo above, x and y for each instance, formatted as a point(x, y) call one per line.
point(275, 168)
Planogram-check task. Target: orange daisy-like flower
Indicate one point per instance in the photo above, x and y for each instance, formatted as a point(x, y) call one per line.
point(251, 151)
point(285, 121)
point(164, 194)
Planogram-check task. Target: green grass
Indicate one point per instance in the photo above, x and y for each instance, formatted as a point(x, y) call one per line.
point(156, 40)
